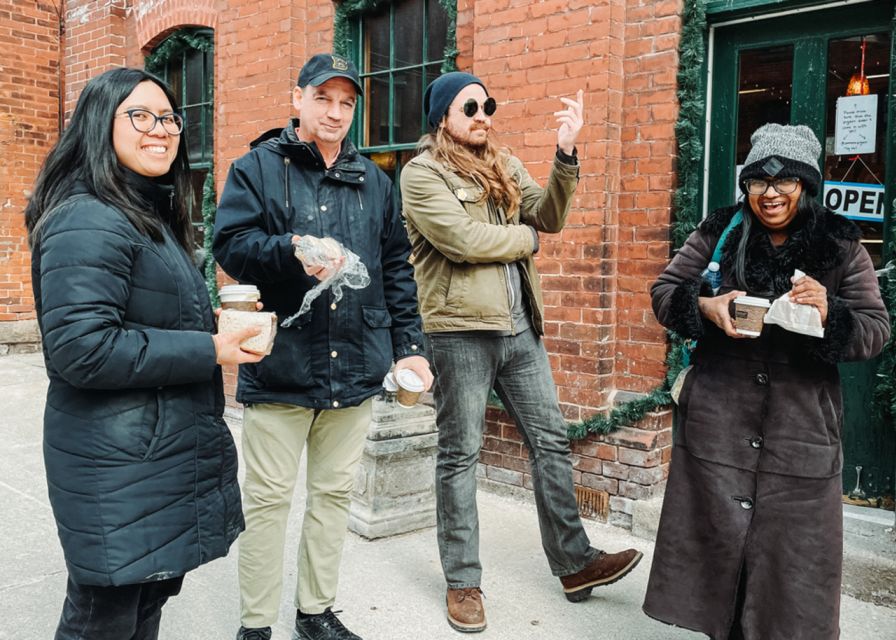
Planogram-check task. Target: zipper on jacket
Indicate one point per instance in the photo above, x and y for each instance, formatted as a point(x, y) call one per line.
point(493, 213)
point(286, 163)
point(360, 204)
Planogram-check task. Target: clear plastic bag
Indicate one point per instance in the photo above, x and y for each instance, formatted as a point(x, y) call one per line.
point(795, 317)
point(326, 253)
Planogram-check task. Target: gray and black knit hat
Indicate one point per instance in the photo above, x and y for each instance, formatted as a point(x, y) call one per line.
point(780, 150)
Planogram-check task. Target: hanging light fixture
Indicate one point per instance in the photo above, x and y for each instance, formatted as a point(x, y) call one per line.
point(858, 82)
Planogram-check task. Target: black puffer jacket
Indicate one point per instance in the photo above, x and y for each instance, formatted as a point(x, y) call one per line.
point(336, 354)
point(140, 465)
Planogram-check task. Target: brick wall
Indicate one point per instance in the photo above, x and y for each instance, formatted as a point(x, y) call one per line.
point(29, 118)
point(601, 335)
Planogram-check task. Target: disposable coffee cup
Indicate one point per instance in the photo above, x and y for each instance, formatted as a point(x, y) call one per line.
point(239, 297)
point(410, 386)
point(749, 313)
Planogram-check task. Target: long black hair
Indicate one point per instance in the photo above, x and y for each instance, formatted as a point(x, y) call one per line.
point(807, 209)
point(85, 154)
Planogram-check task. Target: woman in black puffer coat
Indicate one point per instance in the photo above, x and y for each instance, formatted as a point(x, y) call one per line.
point(141, 468)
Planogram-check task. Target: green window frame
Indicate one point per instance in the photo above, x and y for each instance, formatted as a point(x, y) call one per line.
point(185, 61)
point(391, 82)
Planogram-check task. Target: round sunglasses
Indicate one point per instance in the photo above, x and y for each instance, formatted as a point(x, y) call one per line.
point(471, 107)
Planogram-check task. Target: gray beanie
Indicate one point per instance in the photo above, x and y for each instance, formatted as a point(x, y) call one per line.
point(780, 150)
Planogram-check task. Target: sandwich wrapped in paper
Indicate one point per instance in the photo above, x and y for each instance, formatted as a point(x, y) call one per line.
point(232, 320)
point(799, 318)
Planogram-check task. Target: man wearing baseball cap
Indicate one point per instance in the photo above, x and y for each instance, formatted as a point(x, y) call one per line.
point(316, 390)
point(474, 215)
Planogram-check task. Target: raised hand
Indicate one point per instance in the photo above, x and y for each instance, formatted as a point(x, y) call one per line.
point(570, 121)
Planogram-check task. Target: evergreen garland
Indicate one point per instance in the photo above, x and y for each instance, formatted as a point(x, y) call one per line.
point(348, 9)
point(176, 45)
point(209, 208)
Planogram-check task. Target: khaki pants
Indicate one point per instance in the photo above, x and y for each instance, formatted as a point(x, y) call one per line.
point(273, 438)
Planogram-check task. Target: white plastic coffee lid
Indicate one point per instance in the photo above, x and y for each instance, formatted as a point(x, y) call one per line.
point(750, 300)
point(389, 383)
point(239, 293)
point(409, 380)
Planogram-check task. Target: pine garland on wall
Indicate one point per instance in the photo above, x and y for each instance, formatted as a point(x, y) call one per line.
point(209, 209)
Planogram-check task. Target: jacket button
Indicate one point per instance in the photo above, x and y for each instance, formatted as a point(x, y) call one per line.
point(761, 379)
point(337, 174)
point(756, 442)
point(333, 306)
point(333, 354)
point(361, 179)
point(323, 207)
point(413, 347)
point(746, 503)
point(335, 404)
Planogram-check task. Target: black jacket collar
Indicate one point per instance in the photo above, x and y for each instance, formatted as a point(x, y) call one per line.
point(284, 142)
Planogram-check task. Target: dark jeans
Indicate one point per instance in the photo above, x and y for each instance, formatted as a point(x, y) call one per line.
point(129, 612)
point(466, 368)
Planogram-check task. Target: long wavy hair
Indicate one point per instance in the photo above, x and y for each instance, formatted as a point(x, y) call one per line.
point(485, 165)
point(85, 154)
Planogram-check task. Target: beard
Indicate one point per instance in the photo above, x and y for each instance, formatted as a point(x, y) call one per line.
point(469, 137)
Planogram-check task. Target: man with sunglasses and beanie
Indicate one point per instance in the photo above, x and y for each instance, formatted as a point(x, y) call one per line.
point(473, 215)
point(316, 388)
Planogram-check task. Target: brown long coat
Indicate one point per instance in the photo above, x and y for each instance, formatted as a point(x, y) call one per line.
point(751, 527)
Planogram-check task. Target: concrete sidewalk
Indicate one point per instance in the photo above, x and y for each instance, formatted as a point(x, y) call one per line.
point(391, 589)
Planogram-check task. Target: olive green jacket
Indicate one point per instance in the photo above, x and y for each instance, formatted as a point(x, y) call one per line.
point(463, 245)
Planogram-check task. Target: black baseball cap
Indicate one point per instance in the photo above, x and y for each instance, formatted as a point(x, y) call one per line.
point(323, 66)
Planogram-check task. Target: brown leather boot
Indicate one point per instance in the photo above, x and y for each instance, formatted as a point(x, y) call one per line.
point(465, 610)
point(606, 568)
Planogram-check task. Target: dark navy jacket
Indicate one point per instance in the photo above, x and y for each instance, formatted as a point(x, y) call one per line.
point(337, 354)
point(141, 468)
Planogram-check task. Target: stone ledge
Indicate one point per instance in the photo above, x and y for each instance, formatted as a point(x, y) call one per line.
point(19, 336)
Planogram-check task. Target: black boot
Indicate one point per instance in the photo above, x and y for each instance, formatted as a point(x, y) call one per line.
point(322, 626)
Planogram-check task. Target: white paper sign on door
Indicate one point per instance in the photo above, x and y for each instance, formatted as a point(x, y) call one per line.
point(856, 125)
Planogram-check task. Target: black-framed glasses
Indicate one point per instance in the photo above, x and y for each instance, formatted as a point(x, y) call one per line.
point(758, 186)
point(145, 121)
point(488, 107)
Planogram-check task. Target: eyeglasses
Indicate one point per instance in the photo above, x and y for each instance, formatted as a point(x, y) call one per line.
point(488, 107)
point(145, 121)
point(758, 186)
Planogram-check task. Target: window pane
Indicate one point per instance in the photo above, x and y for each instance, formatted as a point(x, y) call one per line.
point(209, 93)
point(174, 77)
point(377, 111)
point(436, 30)
point(408, 105)
point(764, 92)
point(193, 131)
point(854, 180)
point(432, 72)
point(408, 33)
point(195, 79)
point(376, 40)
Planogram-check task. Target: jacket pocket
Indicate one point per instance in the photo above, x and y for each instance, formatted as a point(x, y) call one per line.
point(157, 428)
point(377, 342)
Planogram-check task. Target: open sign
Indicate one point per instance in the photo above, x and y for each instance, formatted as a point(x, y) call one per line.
point(855, 200)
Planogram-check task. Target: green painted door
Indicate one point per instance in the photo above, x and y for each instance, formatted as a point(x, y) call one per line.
point(795, 69)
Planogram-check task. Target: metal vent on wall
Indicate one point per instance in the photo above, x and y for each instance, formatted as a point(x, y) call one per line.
point(593, 503)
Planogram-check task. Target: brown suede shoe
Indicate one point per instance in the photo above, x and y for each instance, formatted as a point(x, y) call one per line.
point(606, 568)
point(465, 610)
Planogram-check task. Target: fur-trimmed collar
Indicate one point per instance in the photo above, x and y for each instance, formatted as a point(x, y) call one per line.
point(815, 246)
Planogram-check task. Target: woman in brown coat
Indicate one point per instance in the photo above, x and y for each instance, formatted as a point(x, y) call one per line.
point(750, 537)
